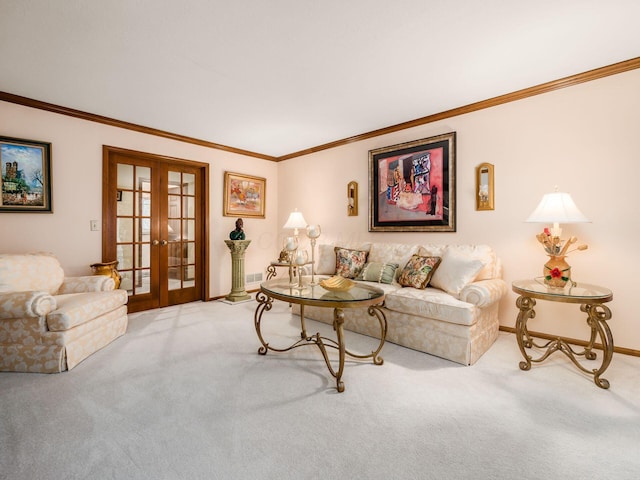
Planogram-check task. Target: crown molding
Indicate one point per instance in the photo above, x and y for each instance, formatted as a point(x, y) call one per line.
point(474, 107)
point(29, 102)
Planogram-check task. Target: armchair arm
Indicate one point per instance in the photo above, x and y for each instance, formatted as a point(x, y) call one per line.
point(87, 283)
point(484, 292)
point(26, 304)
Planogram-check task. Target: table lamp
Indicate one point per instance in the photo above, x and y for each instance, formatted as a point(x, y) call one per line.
point(295, 222)
point(557, 208)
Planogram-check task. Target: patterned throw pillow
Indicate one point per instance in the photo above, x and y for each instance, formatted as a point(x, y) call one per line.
point(418, 271)
point(349, 263)
point(378, 272)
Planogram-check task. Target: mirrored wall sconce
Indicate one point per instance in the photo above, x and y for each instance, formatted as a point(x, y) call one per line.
point(352, 199)
point(484, 187)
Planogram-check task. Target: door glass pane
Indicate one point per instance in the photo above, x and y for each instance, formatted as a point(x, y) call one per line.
point(189, 230)
point(189, 276)
point(143, 256)
point(143, 227)
point(125, 176)
point(143, 178)
point(189, 207)
point(144, 207)
point(174, 206)
point(175, 282)
point(174, 230)
point(191, 253)
point(188, 184)
point(174, 253)
point(125, 203)
point(125, 257)
point(125, 230)
point(143, 281)
point(127, 281)
point(175, 180)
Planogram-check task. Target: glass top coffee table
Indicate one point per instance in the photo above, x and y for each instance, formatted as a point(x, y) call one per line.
point(359, 296)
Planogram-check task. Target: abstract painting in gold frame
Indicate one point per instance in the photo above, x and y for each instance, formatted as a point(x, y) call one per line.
point(244, 195)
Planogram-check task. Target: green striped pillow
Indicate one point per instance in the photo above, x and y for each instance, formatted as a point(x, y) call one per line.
point(378, 272)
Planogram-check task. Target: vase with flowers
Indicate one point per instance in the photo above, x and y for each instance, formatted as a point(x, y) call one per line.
point(557, 272)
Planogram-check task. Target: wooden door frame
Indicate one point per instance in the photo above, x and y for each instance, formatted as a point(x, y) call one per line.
point(108, 198)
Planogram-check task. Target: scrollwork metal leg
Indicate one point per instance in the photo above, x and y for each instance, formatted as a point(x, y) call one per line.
point(597, 319)
point(264, 303)
point(376, 311)
point(303, 332)
point(338, 326)
point(271, 272)
point(525, 305)
point(338, 322)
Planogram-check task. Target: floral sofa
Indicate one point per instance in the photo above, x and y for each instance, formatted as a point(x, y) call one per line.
point(440, 299)
point(49, 323)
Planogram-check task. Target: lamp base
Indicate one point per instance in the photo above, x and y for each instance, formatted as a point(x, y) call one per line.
point(556, 272)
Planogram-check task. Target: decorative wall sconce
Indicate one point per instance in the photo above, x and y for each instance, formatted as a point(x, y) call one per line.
point(352, 199)
point(484, 187)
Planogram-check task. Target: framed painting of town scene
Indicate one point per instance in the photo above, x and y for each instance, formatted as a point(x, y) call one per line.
point(244, 195)
point(412, 186)
point(25, 180)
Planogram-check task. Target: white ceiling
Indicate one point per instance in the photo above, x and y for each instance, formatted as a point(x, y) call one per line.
point(278, 76)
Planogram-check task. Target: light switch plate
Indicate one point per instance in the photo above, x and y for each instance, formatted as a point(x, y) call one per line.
point(94, 225)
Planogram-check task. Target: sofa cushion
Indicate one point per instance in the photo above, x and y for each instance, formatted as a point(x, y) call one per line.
point(349, 263)
point(484, 253)
point(418, 271)
point(455, 271)
point(326, 259)
point(77, 308)
point(431, 303)
point(30, 272)
point(399, 253)
point(378, 272)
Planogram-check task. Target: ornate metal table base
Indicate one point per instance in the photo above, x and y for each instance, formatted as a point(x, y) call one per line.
point(323, 343)
point(597, 316)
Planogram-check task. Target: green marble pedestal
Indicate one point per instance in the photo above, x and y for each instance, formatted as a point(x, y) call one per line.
point(238, 292)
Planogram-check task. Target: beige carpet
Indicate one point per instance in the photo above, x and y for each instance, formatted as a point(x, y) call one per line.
point(184, 395)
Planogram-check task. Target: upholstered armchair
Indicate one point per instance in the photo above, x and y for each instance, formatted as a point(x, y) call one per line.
point(49, 323)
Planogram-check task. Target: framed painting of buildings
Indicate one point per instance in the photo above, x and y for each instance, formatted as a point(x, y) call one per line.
point(244, 195)
point(25, 180)
point(412, 186)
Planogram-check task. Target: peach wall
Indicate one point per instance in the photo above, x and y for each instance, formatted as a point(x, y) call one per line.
point(76, 166)
point(584, 139)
